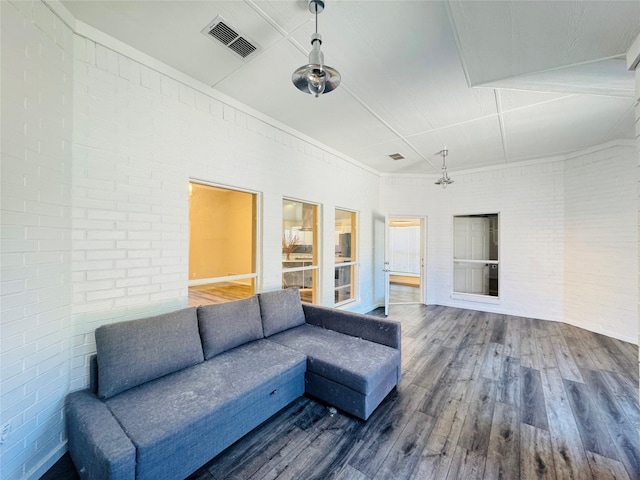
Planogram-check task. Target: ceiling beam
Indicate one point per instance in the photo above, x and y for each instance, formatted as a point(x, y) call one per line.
point(633, 54)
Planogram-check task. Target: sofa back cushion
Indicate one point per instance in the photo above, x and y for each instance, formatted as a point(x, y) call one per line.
point(134, 352)
point(228, 325)
point(280, 310)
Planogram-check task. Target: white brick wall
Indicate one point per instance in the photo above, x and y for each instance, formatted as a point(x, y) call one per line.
point(104, 237)
point(139, 136)
point(36, 235)
point(97, 232)
point(637, 116)
point(633, 63)
point(601, 242)
point(567, 230)
point(529, 201)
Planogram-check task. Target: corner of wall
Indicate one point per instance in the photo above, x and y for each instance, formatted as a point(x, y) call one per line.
point(633, 63)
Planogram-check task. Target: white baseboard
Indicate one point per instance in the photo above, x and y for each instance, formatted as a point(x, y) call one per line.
point(48, 462)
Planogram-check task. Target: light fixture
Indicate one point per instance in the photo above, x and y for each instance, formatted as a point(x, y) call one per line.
point(316, 78)
point(445, 179)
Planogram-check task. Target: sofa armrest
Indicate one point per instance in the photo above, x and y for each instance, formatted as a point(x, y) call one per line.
point(99, 447)
point(367, 327)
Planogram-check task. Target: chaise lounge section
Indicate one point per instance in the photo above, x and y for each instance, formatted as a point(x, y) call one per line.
point(170, 392)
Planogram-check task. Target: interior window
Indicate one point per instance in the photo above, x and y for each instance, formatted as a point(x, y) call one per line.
point(475, 254)
point(222, 244)
point(299, 248)
point(345, 256)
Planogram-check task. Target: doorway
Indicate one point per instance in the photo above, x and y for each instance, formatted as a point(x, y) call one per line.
point(405, 253)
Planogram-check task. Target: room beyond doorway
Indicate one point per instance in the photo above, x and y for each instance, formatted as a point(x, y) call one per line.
point(222, 243)
point(405, 252)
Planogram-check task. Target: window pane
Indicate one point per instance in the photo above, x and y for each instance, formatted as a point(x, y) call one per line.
point(345, 252)
point(345, 236)
point(298, 232)
point(343, 282)
point(304, 280)
point(299, 251)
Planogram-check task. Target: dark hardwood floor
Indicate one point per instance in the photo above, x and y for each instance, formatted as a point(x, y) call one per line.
point(482, 396)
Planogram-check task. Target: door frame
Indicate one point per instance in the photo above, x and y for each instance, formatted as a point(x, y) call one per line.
point(423, 219)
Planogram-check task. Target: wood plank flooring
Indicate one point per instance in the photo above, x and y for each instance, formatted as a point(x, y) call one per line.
point(218, 293)
point(403, 293)
point(482, 396)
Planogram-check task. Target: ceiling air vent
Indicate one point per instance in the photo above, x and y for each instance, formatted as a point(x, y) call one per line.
point(242, 47)
point(396, 156)
point(220, 30)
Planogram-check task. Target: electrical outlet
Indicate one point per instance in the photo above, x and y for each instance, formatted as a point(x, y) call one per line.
point(4, 432)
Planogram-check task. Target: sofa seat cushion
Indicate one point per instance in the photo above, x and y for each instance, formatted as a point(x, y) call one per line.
point(137, 351)
point(351, 361)
point(173, 412)
point(224, 326)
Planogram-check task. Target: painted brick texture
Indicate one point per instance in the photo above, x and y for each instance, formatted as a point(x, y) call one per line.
point(97, 153)
point(529, 201)
point(139, 137)
point(36, 235)
point(601, 242)
point(637, 124)
point(568, 233)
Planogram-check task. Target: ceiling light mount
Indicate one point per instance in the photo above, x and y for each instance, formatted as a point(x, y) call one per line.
point(316, 78)
point(316, 6)
point(445, 179)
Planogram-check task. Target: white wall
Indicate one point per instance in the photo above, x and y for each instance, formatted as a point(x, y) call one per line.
point(637, 70)
point(98, 232)
point(601, 242)
point(568, 235)
point(633, 61)
point(531, 231)
point(36, 235)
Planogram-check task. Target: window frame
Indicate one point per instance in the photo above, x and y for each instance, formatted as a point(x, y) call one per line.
point(353, 263)
point(314, 268)
point(255, 276)
point(477, 297)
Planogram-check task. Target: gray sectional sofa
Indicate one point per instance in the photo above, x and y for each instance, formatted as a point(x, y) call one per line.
point(170, 392)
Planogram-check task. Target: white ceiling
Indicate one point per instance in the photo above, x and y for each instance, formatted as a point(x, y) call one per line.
point(493, 81)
